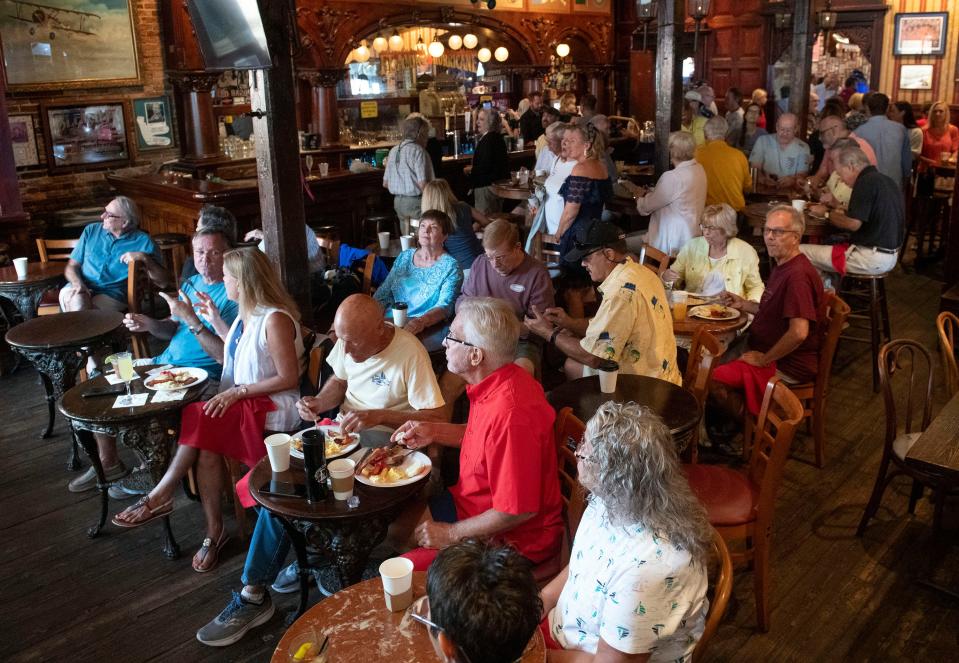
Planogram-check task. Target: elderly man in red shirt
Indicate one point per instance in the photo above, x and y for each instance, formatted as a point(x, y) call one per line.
point(508, 488)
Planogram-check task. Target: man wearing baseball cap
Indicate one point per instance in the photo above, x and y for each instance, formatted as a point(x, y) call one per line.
point(633, 325)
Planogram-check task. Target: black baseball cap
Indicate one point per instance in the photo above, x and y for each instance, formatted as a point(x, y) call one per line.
point(592, 236)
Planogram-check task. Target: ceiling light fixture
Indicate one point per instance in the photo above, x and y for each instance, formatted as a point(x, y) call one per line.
point(470, 40)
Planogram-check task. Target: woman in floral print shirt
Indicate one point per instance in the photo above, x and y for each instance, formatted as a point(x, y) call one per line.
point(635, 587)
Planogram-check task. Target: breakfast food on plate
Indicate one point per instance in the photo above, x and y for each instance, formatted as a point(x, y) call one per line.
point(336, 442)
point(719, 311)
point(172, 379)
point(384, 465)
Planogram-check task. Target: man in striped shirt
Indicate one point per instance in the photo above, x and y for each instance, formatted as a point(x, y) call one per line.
point(408, 169)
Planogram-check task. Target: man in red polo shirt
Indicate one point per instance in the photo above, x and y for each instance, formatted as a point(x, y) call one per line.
point(508, 487)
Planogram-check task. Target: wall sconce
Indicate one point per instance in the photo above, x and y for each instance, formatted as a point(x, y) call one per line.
point(698, 10)
point(827, 21)
point(783, 21)
point(645, 14)
point(562, 50)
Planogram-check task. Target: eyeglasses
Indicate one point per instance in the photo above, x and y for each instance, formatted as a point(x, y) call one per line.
point(450, 337)
point(777, 232)
point(496, 260)
point(111, 215)
point(704, 227)
point(435, 628)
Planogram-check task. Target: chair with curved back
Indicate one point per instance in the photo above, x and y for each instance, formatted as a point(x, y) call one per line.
point(568, 433)
point(907, 376)
point(654, 259)
point(703, 353)
point(948, 326)
point(138, 288)
point(741, 505)
point(722, 588)
point(58, 250)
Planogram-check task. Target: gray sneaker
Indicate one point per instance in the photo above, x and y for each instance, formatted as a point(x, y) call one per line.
point(288, 580)
point(138, 482)
point(238, 617)
point(88, 480)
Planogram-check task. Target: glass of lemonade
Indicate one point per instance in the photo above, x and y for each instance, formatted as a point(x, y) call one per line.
point(123, 365)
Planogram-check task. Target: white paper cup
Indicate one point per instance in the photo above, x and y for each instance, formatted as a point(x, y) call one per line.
point(20, 264)
point(607, 381)
point(400, 317)
point(324, 169)
point(341, 476)
point(540, 172)
point(406, 242)
point(384, 239)
point(278, 449)
point(397, 575)
point(799, 205)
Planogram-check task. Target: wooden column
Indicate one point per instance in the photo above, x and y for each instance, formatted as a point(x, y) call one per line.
point(669, 76)
point(13, 220)
point(201, 139)
point(325, 116)
point(801, 63)
point(272, 94)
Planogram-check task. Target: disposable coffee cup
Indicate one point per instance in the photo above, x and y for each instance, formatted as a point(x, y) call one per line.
point(608, 370)
point(278, 449)
point(397, 575)
point(799, 205)
point(384, 239)
point(399, 314)
point(406, 242)
point(20, 264)
point(324, 169)
point(341, 476)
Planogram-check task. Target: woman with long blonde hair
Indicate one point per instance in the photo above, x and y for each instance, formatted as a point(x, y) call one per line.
point(462, 243)
point(262, 357)
point(940, 136)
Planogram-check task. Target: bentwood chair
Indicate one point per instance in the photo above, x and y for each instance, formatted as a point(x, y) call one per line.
point(654, 259)
point(366, 272)
point(741, 505)
point(948, 326)
point(58, 250)
point(703, 354)
point(138, 289)
point(568, 433)
point(722, 588)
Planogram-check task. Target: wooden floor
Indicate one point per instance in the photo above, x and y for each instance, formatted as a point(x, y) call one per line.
point(835, 597)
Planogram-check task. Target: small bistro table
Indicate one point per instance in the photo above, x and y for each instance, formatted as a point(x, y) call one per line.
point(755, 214)
point(512, 191)
point(384, 635)
point(151, 430)
point(690, 325)
point(347, 535)
point(677, 406)
point(26, 293)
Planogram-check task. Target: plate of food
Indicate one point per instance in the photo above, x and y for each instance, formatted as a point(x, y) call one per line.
point(713, 312)
point(338, 443)
point(393, 466)
point(175, 378)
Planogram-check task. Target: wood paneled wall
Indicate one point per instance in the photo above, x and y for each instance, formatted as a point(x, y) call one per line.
point(735, 47)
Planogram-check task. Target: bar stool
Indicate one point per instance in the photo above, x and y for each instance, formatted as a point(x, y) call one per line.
point(866, 296)
point(172, 246)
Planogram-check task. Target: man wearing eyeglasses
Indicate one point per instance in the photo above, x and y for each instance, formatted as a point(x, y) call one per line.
point(834, 136)
point(98, 267)
point(633, 325)
point(783, 333)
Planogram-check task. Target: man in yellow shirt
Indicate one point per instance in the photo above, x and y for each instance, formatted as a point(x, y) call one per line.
point(633, 326)
point(727, 170)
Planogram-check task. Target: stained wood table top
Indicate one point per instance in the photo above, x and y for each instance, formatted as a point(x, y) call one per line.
point(361, 629)
point(37, 272)
point(507, 189)
point(756, 216)
point(937, 449)
point(690, 325)
point(76, 328)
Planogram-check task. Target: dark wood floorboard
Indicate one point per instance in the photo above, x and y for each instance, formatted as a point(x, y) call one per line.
point(835, 597)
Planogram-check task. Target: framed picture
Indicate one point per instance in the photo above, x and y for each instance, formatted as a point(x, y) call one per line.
point(89, 135)
point(24, 140)
point(48, 47)
point(915, 77)
point(921, 34)
point(592, 6)
point(153, 123)
point(559, 6)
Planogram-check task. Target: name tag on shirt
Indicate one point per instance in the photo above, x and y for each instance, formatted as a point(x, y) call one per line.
point(516, 287)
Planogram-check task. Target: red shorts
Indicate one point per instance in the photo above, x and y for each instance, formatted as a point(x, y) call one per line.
point(749, 379)
point(547, 636)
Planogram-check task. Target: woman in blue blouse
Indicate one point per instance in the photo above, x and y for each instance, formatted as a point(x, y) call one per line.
point(427, 279)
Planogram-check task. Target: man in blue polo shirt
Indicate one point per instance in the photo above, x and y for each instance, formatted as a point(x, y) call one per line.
point(193, 342)
point(99, 265)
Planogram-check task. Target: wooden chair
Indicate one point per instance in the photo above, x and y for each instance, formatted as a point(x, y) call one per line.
point(703, 353)
point(139, 288)
point(948, 325)
point(59, 250)
point(906, 374)
point(655, 259)
point(741, 505)
point(366, 272)
point(722, 588)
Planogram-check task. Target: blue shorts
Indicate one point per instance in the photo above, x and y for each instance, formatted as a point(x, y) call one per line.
point(442, 508)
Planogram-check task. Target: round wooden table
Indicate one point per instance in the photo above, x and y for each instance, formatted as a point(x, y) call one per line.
point(151, 430)
point(26, 293)
point(347, 535)
point(383, 636)
point(510, 191)
point(756, 217)
point(677, 406)
point(690, 325)
point(58, 345)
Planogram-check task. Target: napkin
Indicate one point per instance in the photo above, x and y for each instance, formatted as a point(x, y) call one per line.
point(167, 396)
point(113, 378)
point(136, 400)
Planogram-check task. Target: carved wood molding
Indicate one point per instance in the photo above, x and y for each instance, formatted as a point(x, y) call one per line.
point(323, 77)
point(541, 29)
point(324, 28)
point(194, 81)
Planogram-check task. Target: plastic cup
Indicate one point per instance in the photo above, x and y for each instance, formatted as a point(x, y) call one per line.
point(608, 370)
point(397, 575)
point(278, 449)
point(341, 476)
point(384, 238)
point(20, 264)
point(400, 314)
point(799, 205)
point(540, 172)
point(324, 169)
point(680, 301)
point(406, 242)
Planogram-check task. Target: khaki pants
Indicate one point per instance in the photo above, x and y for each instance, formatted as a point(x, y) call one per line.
point(487, 202)
point(406, 208)
point(102, 302)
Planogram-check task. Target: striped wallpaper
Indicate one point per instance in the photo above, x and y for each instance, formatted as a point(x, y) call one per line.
point(944, 68)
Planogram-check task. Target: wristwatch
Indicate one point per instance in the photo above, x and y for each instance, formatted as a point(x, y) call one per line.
point(243, 390)
point(196, 331)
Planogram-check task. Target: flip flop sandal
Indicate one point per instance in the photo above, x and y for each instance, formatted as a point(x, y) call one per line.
point(208, 555)
point(164, 509)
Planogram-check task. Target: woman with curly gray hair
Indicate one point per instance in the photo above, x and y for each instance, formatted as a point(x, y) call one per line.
point(635, 587)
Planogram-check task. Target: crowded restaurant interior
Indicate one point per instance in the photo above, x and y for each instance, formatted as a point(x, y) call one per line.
point(479, 331)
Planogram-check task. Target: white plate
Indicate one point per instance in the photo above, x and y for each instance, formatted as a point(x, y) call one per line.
point(415, 457)
point(702, 312)
point(198, 373)
point(348, 449)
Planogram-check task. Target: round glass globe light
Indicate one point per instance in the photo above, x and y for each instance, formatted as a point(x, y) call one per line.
point(396, 42)
point(470, 40)
point(380, 44)
point(501, 54)
point(362, 53)
point(436, 49)
point(562, 50)
point(484, 55)
point(455, 42)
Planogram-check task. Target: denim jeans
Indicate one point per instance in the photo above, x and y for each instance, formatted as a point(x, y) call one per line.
point(268, 549)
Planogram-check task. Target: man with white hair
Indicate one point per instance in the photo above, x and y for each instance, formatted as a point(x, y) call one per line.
point(782, 159)
point(727, 171)
point(508, 489)
point(408, 169)
point(98, 267)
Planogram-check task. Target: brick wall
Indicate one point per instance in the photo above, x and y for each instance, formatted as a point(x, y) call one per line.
point(42, 193)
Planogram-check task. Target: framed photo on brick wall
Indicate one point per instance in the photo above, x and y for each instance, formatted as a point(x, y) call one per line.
point(90, 135)
point(24, 141)
point(153, 123)
point(921, 34)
